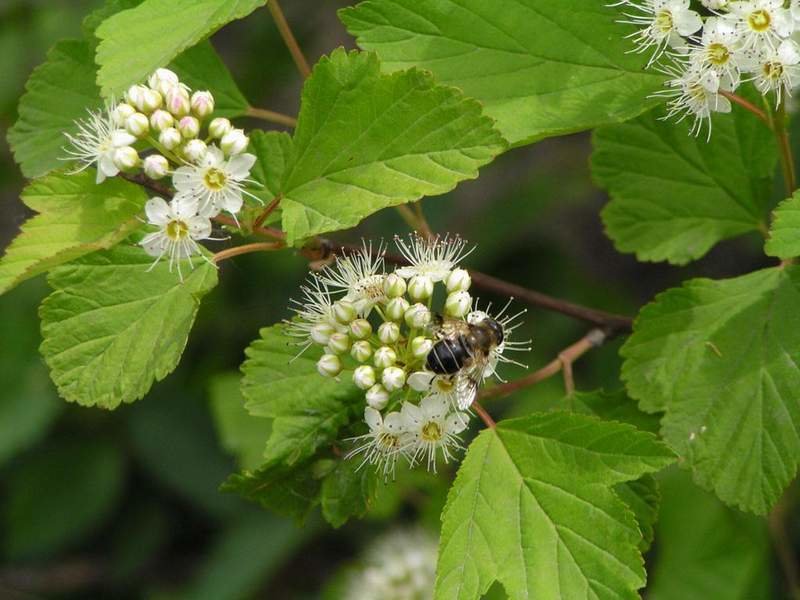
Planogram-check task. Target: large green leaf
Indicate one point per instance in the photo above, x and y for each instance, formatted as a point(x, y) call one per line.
point(721, 358)
point(784, 234)
point(533, 507)
point(349, 490)
point(58, 92)
point(307, 409)
point(76, 217)
point(112, 327)
point(135, 42)
point(540, 67)
point(365, 141)
point(675, 195)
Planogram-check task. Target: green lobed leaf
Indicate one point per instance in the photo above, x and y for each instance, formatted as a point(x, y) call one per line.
point(541, 68)
point(58, 91)
point(135, 42)
point(784, 234)
point(365, 141)
point(349, 490)
point(112, 326)
point(563, 532)
point(673, 195)
point(76, 217)
point(307, 410)
point(721, 359)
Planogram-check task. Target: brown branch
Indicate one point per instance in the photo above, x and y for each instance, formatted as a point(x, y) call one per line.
point(267, 211)
point(145, 182)
point(289, 39)
point(593, 339)
point(247, 249)
point(747, 105)
point(271, 116)
point(785, 150)
point(485, 416)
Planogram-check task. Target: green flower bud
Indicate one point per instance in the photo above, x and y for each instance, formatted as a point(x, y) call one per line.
point(360, 329)
point(393, 378)
point(417, 316)
point(126, 158)
point(134, 95)
point(421, 346)
point(149, 101)
point(394, 286)
point(177, 102)
point(364, 377)
point(321, 333)
point(219, 127)
point(195, 150)
point(389, 333)
point(170, 138)
point(155, 166)
point(202, 104)
point(384, 357)
point(189, 127)
point(344, 312)
point(339, 343)
point(458, 280)
point(377, 397)
point(420, 287)
point(329, 365)
point(161, 120)
point(234, 142)
point(361, 351)
point(396, 309)
point(458, 304)
point(138, 125)
point(121, 113)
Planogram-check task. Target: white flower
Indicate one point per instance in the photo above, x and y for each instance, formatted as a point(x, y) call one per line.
point(359, 275)
point(715, 4)
point(434, 258)
point(97, 139)
point(695, 93)
point(179, 229)
point(778, 71)
point(761, 23)
point(385, 441)
point(720, 51)
point(432, 429)
point(313, 313)
point(215, 182)
point(663, 23)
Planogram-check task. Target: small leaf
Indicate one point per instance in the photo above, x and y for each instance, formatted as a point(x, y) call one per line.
point(784, 234)
point(721, 358)
point(643, 498)
point(273, 152)
point(365, 141)
point(135, 42)
point(541, 68)
point(563, 532)
point(57, 93)
point(112, 327)
point(76, 217)
point(673, 195)
point(348, 491)
point(307, 410)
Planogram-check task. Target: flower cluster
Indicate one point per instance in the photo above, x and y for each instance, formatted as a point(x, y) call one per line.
point(379, 331)
point(400, 565)
point(164, 129)
point(738, 41)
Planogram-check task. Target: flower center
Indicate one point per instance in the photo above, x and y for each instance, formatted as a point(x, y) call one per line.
point(663, 21)
point(697, 94)
point(431, 432)
point(773, 70)
point(370, 287)
point(388, 441)
point(444, 385)
point(214, 179)
point(759, 20)
point(718, 54)
point(177, 230)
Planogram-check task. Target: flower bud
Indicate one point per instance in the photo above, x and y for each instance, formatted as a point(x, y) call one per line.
point(394, 286)
point(134, 95)
point(344, 312)
point(420, 381)
point(126, 158)
point(170, 138)
point(219, 127)
point(360, 329)
point(202, 104)
point(339, 343)
point(389, 332)
point(361, 351)
point(396, 309)
point(189, 127)
point(393, 378)
point(194, 150)
point(364, 377)
point(161, 120)
point(155, 166)
point(458, 304)
point(417, 316)
point(458, 280)
point(234, 142)
point(148, 101)
point(421, 346)
point(329, 365)
point(138, 125)
point(384, 357)
point(321, 333)
point(420, 287)
point(162, 80)
point(377, 397)
point(178, 102)
point(121, 113)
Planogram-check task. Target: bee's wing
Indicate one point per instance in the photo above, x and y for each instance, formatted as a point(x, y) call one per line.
point(466, 389)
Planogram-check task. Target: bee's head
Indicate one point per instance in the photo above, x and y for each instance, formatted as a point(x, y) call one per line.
point(478, 317)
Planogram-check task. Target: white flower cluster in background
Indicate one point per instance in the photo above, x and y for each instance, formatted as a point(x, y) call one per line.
point(377, 330)
point(400, 565)
point(161, 130)
point(734, 42)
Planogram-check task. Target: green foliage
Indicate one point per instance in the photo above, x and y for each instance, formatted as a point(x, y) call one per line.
point(135, 42)
point(365, 141)
point(76, 217)
point(58, 92)
point(563, 531)
point(113, 325)
point(720, 357)
point(541, 68)
point(675, 195)
point(349, 490)
point(784, 234)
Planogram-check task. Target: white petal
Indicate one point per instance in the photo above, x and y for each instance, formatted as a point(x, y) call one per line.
point(783, 22)
point(412, 415)
point(158, 211)
point(199, 227)
point(434, 405)
point(722, 104)
point(394, 422)
point(789, 52)
point(239, 166)
point(231, 202)
point(154, 244)
point(420, 381)
point(120, 137)
point(372, 418)
point(456, 422)
point(214, 157)
point(184, 178)
point(184, 206)
point(106, 166)
point(687, 22)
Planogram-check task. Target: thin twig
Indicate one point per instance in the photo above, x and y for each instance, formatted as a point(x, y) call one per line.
point(267, 211)
point(485, 416)
point(783, 545)
point(594, 338)
point(747, 105)
point(785, 150)
point(247, 249)
point(289, 39)
point(271, 116)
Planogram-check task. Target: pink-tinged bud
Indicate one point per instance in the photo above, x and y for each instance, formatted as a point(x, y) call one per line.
point(134, 95)
point(178, 102)
point(170, 138)
point(189, 127)
point(155, 166)
point(194, 150)
point(121, 113)
point(149, 101)
point(126, 158)
point(234, 142)
point(162, 77)
point(138, 124)
point(219, 127)
point(202, 104)
point(161, 120)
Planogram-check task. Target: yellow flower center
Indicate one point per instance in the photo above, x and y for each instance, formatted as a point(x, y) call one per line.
point(388, 441)
point(663, 21)
point(214, 179)
point(431, 432)
point(177, 230)
point(759, 20)
point(718, 54)
point(773, 70)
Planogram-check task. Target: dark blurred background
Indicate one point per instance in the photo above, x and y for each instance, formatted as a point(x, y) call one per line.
point(125, 504)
